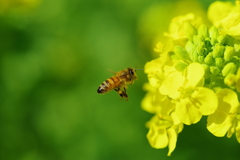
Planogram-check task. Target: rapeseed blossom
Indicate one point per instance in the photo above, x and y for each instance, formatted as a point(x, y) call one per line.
point(196, 74)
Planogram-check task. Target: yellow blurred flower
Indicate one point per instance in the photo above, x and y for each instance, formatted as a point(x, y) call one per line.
point(180, 27)
point(164, 127)
point(17, 6)
point(227, 116)
point(226, 16)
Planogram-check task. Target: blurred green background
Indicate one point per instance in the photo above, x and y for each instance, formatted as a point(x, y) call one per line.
point(53, 56)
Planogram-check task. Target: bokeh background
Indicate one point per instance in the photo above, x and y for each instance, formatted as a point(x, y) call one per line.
point(53, 56)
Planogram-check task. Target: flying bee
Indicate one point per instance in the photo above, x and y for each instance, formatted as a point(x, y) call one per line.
point(119, 82)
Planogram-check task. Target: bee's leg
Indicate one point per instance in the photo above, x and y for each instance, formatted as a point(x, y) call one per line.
point(122, 93)
point(125, 93)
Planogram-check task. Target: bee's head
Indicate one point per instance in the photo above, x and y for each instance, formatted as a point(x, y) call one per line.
point(132, 73)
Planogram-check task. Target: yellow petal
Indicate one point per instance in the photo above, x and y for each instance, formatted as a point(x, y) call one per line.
point(219, 123)
point(173, 82)
point(234, 30)
point(194, 73)
point(232, 128)
point(172, 140)
point(222, 120)
point(157, 137)
point(205, 100)
point(153, 102)
point(238, 131)
point(218, 10)
point(153, 66)
point(147, 103)
point(228, 101)
point(187, 113)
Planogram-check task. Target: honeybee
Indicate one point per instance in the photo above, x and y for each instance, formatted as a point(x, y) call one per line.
point(119, 82)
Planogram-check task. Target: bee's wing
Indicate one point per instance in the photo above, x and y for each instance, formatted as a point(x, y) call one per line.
point(112, 71)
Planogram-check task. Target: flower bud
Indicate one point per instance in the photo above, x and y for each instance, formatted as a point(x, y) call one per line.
point(207, 70)
point(195, 40)
point(230, 80)
point(180, 66)
point(209, 59)
point(213, 33)
point(201, 59)
point(214, 70)
point(218, 51)
point(229, 68)
point(237, 47)
point(181, 53)
point(190, 47)
point(200, 49)
point(219, 62)
point(203, 31)
point(222, 39)
point(229, 53)
point(195, 57)
point(190, 30)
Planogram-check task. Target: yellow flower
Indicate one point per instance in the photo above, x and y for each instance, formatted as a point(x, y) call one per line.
point(153, 100)
point(191, 98)
point(164, 128)
point(227, 116)
point(179, 26)
point(196, 74)
point(18, 6)
point(226, 16)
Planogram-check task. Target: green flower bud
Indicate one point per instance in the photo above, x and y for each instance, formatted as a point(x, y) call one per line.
point(213, 33)
point(209, 59)
point(201, 59)
point(237, 46)
point(181, 53)
point(200, 48)
point(203, 31)
point(219, 62)
point(228, 69)
point(197, 39)
point(229, 53)
point(190, 30)
point(195, 57)
point(214, 70)
point(230, 80)
point(190, 47)
point(180, 66)
point(207, 71)
point(218, 51)
point(222, 39)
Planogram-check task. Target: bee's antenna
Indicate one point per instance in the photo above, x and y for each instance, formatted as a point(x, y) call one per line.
point(138, 68)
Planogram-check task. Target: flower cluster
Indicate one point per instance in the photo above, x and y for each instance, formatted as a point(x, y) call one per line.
point(196, 74)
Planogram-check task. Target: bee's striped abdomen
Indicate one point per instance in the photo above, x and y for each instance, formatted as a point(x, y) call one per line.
point(108, 85)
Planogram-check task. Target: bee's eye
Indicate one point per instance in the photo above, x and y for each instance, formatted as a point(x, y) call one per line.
point(131, 72)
